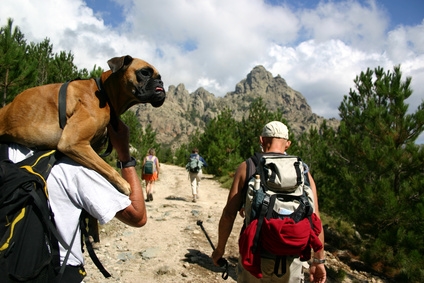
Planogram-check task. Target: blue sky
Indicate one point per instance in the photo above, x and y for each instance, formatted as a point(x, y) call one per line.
point(111, 12)
point(318, 47)
point(404, 12)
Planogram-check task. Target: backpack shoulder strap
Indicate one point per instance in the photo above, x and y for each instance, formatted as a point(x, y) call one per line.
point(4, 151)
point(89, 246)
point(151, 158)
point(195, 156)
point(251, 164)
point(39, 164)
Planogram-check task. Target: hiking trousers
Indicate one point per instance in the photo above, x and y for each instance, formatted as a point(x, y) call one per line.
point(294, 272)
point(195, 181)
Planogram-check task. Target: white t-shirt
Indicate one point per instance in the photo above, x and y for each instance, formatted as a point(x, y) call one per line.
point(72, 188)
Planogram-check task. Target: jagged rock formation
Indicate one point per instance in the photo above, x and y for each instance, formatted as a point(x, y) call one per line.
point(184, 112)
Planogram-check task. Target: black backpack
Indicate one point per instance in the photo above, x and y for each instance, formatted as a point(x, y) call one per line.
point(29, 249)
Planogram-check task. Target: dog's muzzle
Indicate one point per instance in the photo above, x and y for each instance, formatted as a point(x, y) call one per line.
point(152, 93)
point(159, 97)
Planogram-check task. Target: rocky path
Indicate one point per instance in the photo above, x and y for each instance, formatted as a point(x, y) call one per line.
point(171, 247)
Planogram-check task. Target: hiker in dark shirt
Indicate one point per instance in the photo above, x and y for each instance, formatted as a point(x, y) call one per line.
point(274, 138)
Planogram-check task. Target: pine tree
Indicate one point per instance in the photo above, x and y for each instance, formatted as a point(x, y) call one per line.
point(148, 140)
point(378, 175)
point(42, 54)
point(251, 127)
point(316, 148)
point(219, 144)
point(140, 139)
point(377, 149)
point(17, 71)
point(62, 68)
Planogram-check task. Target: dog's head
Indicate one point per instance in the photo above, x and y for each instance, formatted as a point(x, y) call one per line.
point(140, 78)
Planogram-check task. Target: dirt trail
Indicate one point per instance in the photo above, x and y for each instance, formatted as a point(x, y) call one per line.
point(171, 247)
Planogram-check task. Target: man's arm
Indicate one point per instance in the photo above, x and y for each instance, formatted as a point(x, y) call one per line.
point(203, 161)
point(317, 270)
point(135, 214)
point(229, 213)
point(157, 165)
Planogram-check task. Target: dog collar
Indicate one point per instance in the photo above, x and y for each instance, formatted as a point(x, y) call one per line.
point(127, 164)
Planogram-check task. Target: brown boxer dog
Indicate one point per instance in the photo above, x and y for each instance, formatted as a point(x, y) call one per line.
point(32, 118)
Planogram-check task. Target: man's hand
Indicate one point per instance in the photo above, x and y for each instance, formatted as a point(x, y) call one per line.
point(317, 273)
point(217, 255)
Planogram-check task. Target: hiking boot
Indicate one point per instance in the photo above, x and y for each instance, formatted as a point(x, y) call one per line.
point(150, 197)
point(194, 199)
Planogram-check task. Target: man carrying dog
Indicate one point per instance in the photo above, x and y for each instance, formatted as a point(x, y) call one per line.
point(74, 115)
point(73, 188)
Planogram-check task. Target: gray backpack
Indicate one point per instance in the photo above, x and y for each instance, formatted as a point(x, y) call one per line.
point(279, 213)
point(284, 177)
point(194, 165)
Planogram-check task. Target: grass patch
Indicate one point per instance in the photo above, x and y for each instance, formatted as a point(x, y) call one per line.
point(337, 274)
point(225, 181)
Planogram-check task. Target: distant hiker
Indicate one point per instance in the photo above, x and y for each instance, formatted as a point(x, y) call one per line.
point(194, 168)
point(263, 265)
point(150, 172)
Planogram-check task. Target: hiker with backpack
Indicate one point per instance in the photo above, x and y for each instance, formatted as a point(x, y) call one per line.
point(150, 172)
point(269, 251)
point(195, 173)
point(73, 189)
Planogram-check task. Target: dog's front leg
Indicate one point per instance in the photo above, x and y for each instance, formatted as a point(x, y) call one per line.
point(86, 156)
point(75, 143)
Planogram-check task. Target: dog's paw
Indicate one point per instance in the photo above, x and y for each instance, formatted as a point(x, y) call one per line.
point(124, 188)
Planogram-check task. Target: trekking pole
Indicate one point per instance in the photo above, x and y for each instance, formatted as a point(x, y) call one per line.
point(222, 261)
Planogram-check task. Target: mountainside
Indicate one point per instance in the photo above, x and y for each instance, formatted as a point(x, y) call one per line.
point(184, 112)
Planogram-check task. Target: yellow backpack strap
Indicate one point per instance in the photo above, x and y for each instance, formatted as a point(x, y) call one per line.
point(40, 165)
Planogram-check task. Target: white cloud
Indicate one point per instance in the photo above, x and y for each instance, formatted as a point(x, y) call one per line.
point(348, 21)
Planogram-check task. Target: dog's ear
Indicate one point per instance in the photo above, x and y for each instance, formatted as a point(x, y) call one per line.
point(118, 63)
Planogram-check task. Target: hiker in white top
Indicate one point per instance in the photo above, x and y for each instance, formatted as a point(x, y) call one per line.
point(150, 164)
point(73, 188)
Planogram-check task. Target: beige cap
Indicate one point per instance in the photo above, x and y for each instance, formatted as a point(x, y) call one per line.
point(275, 129)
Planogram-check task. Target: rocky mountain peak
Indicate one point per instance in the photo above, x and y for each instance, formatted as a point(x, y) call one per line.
point(184, 112)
